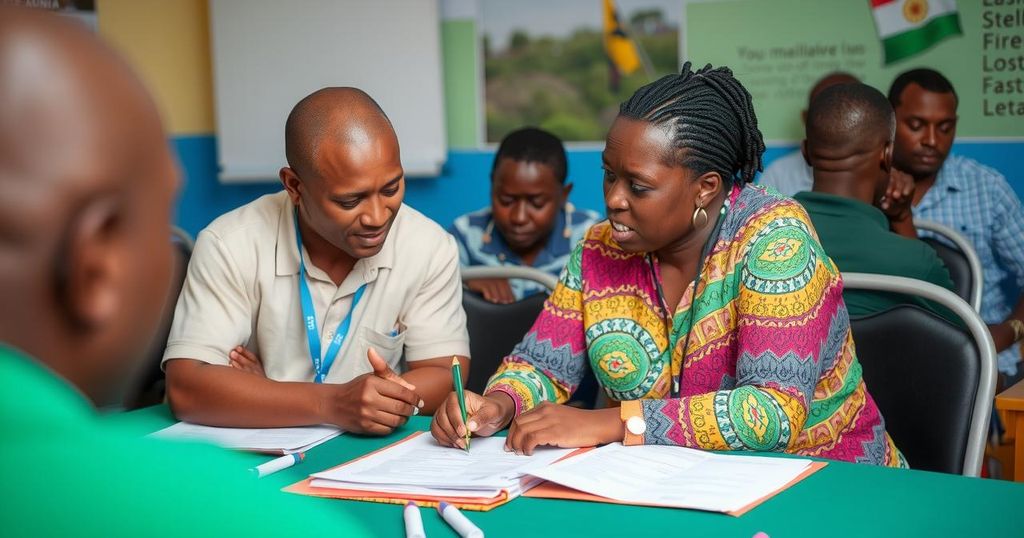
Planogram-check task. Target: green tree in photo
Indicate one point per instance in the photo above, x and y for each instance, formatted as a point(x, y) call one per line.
point(563, 84)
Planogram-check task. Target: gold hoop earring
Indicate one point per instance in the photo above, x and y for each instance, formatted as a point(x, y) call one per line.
point(701, 214)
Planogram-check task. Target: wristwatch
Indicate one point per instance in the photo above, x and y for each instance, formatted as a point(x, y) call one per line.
point(635, 426)
point(1018, 329)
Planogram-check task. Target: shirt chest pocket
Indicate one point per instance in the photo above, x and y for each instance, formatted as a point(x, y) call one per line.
point(388, 346)
point(975, 234)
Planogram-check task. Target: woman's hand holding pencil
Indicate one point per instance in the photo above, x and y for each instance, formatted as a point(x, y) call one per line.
point(485, 416)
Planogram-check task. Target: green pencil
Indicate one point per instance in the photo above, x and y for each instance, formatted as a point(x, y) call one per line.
point(457, 381)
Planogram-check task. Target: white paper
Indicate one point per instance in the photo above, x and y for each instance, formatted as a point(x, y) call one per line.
point(421, 461)
point(375, 490)
point(674, 476)
point(273, 440)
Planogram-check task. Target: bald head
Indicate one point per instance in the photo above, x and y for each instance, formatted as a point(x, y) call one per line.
point(850, 130)
point(72, 116)
point(849, 119)
point(86, 182)
point(339, 116)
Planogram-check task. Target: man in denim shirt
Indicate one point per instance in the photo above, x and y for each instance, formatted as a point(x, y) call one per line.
point(964, 195)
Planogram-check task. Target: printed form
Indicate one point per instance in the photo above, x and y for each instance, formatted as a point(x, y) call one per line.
point(674, 476)
point(421, 464)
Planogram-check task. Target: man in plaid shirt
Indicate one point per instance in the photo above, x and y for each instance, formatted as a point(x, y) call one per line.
point(966, 196)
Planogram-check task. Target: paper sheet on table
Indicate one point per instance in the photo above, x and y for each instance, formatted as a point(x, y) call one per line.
point(677, 477)
point(418, 458)
point(267, 440)
point(420, 461)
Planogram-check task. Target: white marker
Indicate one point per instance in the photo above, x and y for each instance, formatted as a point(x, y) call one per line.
point(464, 527)
point(413, 522)
point(277, 464)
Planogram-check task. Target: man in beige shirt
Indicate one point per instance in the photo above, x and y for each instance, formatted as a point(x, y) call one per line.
point(266, 337)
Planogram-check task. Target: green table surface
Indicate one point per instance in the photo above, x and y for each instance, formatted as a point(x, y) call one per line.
point(841, 499)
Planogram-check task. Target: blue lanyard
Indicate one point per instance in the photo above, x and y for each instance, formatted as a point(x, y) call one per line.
point(321, 365)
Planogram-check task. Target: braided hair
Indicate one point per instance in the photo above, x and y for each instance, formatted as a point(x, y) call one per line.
point(710, 116)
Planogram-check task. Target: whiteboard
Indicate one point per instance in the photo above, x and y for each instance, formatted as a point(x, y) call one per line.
point(269, 54)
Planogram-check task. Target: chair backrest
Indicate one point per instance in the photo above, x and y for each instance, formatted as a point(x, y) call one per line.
point(956, 262)
point(958, 254)
point(510, 271)
point(494, 329)
point(933, 382)
point(149, 387)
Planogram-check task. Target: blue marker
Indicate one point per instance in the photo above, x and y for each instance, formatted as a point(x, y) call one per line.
point(458, 522)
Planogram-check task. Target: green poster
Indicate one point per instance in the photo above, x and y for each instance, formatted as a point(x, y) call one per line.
point(779, 48)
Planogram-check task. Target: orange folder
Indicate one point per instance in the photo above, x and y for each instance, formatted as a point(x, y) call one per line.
point(480, 504)
point(544, 490)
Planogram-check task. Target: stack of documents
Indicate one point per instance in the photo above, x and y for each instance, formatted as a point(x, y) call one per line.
point(655, 475)
point(419, 469)
point(265, 440)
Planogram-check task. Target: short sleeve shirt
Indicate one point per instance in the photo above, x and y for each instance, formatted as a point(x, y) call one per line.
point(788, 174)
point(242, 288)
point(857, 238)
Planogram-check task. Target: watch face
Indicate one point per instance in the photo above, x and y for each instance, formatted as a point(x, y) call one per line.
point(636, 425)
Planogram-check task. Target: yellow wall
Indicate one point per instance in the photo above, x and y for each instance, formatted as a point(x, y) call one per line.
point(168, 43)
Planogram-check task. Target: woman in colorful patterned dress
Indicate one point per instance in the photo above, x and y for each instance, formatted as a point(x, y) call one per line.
point(691, 258)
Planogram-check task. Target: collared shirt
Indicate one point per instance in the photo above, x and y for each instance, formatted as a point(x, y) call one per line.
point(857, 238)
point(788, 174)
point(69, 472)
point(475, 248)
point(976, 201)
point(242, 288)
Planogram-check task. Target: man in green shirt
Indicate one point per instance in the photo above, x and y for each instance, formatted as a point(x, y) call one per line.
point(86, 184)
point(849, 146)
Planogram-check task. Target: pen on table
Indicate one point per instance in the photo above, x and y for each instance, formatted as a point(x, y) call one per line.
point(413, 522)
point(457, 381)
point(462, 525)
point(278, 464)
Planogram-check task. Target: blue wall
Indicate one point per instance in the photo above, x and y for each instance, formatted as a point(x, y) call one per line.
point(463, 185)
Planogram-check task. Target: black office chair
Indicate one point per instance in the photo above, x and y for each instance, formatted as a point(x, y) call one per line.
point(956, 262)
point(149, 387)
point(494, 329)
point(933, 382)
point(957, 253)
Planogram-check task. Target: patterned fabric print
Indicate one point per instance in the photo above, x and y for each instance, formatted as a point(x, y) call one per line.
point(782, 261)
point(770, 364)
point(526, 385)
point(624, 357)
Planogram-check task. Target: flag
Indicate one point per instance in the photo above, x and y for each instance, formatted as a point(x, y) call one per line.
point(623, 57)
point(908, 27)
